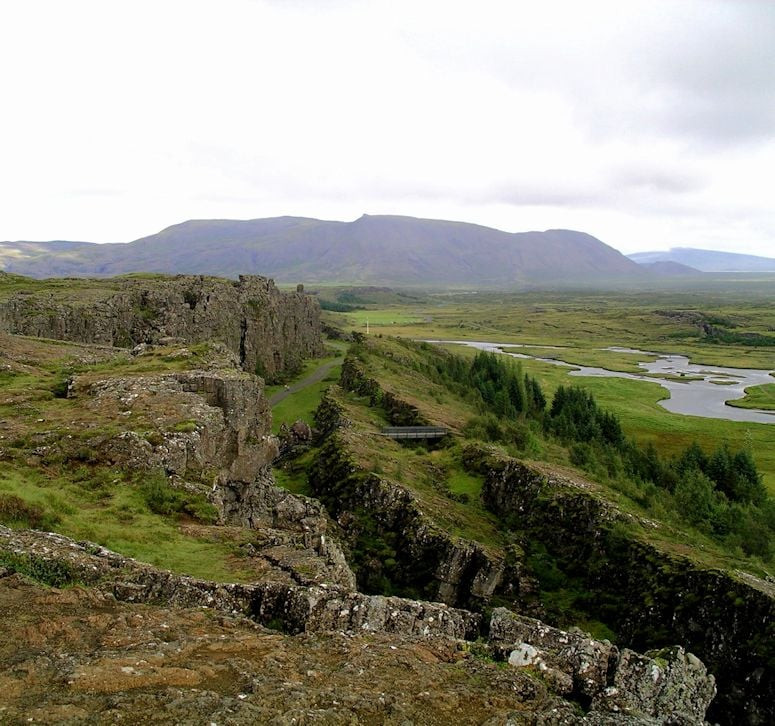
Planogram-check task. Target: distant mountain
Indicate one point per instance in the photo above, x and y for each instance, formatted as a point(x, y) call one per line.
point(708, 260)
point(666, 268)
point(385, 250)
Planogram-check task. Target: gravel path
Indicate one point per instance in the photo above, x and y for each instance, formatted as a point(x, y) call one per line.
point(317, 375)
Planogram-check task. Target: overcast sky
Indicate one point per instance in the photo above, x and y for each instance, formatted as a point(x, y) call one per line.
point(649, 125)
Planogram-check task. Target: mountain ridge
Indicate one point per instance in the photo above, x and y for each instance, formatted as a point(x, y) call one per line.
point(708, 260)
point(381, 249)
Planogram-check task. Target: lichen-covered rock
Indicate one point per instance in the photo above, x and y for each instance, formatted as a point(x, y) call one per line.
point(297, 608)
point(670, 684)
point(457, 571)
point(267, 329)
point(77, 656)
point(725, 618)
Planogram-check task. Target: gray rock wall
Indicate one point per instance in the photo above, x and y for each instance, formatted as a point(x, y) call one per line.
point(649, 597)
point(270, 330)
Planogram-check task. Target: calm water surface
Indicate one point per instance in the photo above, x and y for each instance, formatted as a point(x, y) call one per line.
point(701, 397)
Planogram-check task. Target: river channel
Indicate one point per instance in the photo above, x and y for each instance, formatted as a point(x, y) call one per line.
point(700, 397)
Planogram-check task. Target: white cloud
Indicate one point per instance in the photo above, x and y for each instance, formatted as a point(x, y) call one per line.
point(648, 124)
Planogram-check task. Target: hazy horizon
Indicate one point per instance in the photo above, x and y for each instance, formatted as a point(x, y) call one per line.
point(61, 239)
point(649, 125)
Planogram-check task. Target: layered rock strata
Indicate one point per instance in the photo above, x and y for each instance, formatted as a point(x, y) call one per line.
point(611, 687)
point(650, 598)
point(269, 330)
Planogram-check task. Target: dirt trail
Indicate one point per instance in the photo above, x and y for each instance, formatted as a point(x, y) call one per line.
point(316, 376)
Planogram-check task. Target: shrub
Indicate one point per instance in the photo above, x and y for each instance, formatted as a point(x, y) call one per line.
point(15, 512)
point(162, 499)
point(47, 572)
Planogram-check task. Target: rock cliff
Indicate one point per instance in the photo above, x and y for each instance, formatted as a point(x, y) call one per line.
point(211, 434)
point(269, 330)
point(608, 686)
point(650, 597)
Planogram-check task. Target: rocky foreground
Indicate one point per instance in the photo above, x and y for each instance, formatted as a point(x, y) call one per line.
point(126, 642)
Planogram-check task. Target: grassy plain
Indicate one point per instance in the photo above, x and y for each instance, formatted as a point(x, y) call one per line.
point(757, 397)
point(583, 323)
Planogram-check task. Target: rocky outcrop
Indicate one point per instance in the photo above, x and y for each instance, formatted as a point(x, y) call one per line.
point(395, 542)
point(669, 684)
point(294, 439)
point(78, 656)
point(295, 609)
point(399, 412)
point(198, 424)
point(649, 597)
point(269, 330)
point(212, 435)
point(607, 686)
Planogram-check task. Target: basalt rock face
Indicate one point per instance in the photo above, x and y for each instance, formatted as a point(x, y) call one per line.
point(213, 423)
point(297, 609)
point(270, 330)
point(213, 436)
point(428, 560)
point(601, 684)
point(669, 684)
point(651, 598)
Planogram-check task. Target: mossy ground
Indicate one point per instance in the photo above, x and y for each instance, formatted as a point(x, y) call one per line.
point(50, 461)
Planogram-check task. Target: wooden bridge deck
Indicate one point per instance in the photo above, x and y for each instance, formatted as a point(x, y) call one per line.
point(415, 432)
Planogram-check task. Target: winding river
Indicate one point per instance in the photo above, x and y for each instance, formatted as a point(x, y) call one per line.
point(699, 397)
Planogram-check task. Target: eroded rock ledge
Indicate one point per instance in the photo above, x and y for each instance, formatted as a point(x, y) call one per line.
point(649, 596)
point(612, 687)
point(267, 329)
point(295, 609)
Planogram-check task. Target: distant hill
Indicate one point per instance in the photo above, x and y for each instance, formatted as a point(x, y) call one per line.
point(383, 250)
point(708, 260)
point(666, 268)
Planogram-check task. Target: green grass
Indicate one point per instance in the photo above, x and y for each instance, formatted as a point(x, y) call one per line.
point(757, 397)
point(302, 404)
point(115, 515)
point(292, 475)
point(381, 318)
point(334, 349)
point(593, 357)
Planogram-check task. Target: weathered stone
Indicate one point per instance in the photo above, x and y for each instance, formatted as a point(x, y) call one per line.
point(671, 684)
point(226, 410)
point(727, 619)
point(459, 572)
point(269, 330)
point(668, 682)
point(299, 609)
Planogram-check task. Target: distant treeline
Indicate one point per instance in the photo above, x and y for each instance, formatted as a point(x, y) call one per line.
point(338, 307)
point(720, 493)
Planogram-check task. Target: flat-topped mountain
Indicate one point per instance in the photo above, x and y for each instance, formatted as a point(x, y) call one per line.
point(708, 260)
point(390, 250)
